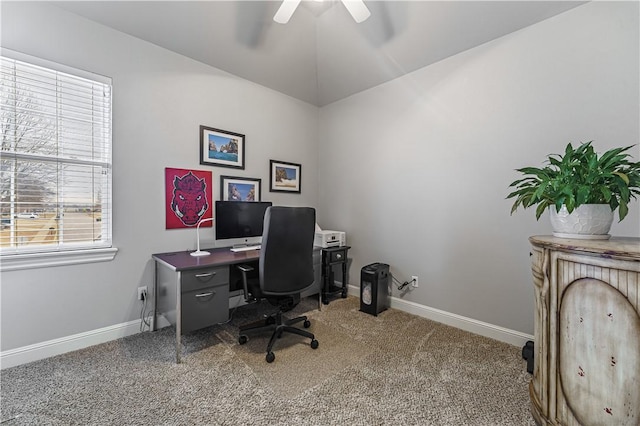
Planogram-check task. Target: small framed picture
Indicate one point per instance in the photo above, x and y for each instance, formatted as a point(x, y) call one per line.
point(240, 189)
point(284, 177)
point(221, 148)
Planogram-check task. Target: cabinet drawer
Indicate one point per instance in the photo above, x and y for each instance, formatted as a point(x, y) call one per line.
point(206, 277)
point(336, 256)
point(339, 256)
point(204, 307)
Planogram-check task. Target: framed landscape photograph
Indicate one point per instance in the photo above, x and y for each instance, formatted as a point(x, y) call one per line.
point(284, 177)
point(221, 148)
point(240, 189)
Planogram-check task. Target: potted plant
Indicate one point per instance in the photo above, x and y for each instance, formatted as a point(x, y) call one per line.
point(580, 182)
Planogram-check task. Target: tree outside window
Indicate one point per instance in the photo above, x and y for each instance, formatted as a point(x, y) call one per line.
point(55, 165)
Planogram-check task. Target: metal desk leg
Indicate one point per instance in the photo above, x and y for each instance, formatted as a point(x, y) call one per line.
point(154, 324)
point(178, 319)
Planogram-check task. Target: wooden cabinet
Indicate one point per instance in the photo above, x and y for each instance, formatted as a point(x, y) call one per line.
point(587, 331)
point(332, 257)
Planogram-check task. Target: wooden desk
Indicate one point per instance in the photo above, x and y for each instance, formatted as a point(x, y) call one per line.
point(193, 292)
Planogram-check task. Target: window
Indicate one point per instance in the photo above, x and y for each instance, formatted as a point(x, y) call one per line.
point(55, 163)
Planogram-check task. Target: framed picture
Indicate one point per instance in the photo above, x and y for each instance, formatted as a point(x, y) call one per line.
point(240, 189)
point(188, 195)
point(284, 177)
point(221, 148)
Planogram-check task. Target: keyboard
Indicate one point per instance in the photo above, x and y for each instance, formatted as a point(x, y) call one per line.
point(245, 248)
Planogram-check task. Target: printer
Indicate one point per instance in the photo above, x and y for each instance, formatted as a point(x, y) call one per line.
point(327, 239)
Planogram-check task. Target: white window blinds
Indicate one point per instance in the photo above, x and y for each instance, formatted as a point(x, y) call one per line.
point(55, 158)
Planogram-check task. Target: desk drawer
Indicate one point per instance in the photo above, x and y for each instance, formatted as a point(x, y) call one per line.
point(204, 307)
point(337, 256)
point(205, 277)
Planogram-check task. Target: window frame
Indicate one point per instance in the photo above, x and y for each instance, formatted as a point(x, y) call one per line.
point(42, 258)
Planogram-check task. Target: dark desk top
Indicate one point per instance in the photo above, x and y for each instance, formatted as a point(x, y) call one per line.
point(336, 248)
point(183, 261)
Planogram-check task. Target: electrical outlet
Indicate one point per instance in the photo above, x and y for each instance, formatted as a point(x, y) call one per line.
point(142, 291)
point(414, 282)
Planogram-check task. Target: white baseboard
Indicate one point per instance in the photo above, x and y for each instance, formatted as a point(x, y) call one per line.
point(502, 334)
point(38, 351)
point(50, 348)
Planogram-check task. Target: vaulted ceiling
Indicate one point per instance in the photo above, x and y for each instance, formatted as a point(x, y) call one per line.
point(321, 55)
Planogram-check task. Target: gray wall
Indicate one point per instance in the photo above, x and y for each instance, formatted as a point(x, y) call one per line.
point(160, 99)
point(416, 170)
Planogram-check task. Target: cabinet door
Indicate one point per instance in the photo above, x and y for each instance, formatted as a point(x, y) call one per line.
point(599, 354)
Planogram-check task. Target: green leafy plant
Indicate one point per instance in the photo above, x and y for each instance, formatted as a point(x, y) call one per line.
point(579, 177)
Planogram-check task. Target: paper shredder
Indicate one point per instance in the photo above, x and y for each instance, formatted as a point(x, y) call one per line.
point(374, 288)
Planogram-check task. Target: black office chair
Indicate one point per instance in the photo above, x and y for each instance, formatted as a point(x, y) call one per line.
point(285, 270)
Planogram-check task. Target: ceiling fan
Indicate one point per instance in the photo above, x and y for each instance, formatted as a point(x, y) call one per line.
point(356, 8)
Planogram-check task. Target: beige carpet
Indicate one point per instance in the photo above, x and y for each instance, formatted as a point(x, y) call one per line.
point(394, 369)
point(298, 367)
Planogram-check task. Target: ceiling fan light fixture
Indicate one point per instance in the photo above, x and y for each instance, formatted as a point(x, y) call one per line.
point(285, 11)
point(356, 8)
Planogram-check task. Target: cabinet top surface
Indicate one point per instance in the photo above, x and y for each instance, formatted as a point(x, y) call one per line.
point(625, 246)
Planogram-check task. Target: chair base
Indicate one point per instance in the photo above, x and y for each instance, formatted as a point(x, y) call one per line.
point(279, 326)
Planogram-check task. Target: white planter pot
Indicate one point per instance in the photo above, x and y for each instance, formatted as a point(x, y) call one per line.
point(587, 222)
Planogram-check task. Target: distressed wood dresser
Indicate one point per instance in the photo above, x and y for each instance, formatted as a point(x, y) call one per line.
point(587, 331)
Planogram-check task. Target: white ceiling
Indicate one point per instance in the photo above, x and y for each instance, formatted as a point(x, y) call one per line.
point(321, 55)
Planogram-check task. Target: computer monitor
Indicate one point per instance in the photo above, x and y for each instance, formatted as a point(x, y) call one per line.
point(239, 222)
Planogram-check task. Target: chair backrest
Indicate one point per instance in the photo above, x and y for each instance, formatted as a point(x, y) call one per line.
point(286, 256)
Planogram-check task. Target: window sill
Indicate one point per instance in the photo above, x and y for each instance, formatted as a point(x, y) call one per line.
point(16, 262)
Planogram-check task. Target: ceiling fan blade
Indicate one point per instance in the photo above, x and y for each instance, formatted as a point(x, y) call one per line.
point(285, 11)
point(357, 9)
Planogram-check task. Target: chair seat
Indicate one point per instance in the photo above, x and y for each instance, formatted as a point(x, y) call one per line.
point(285, 303)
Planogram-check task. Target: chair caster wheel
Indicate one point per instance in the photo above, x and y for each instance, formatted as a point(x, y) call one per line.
point(270, 357)
point(307, 324)
point(242, 339)
point(314, 344)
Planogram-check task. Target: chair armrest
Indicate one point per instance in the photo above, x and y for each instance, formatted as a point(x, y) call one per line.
point(244, 269)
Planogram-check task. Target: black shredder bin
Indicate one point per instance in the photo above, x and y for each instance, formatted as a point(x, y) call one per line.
point(374, 288)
